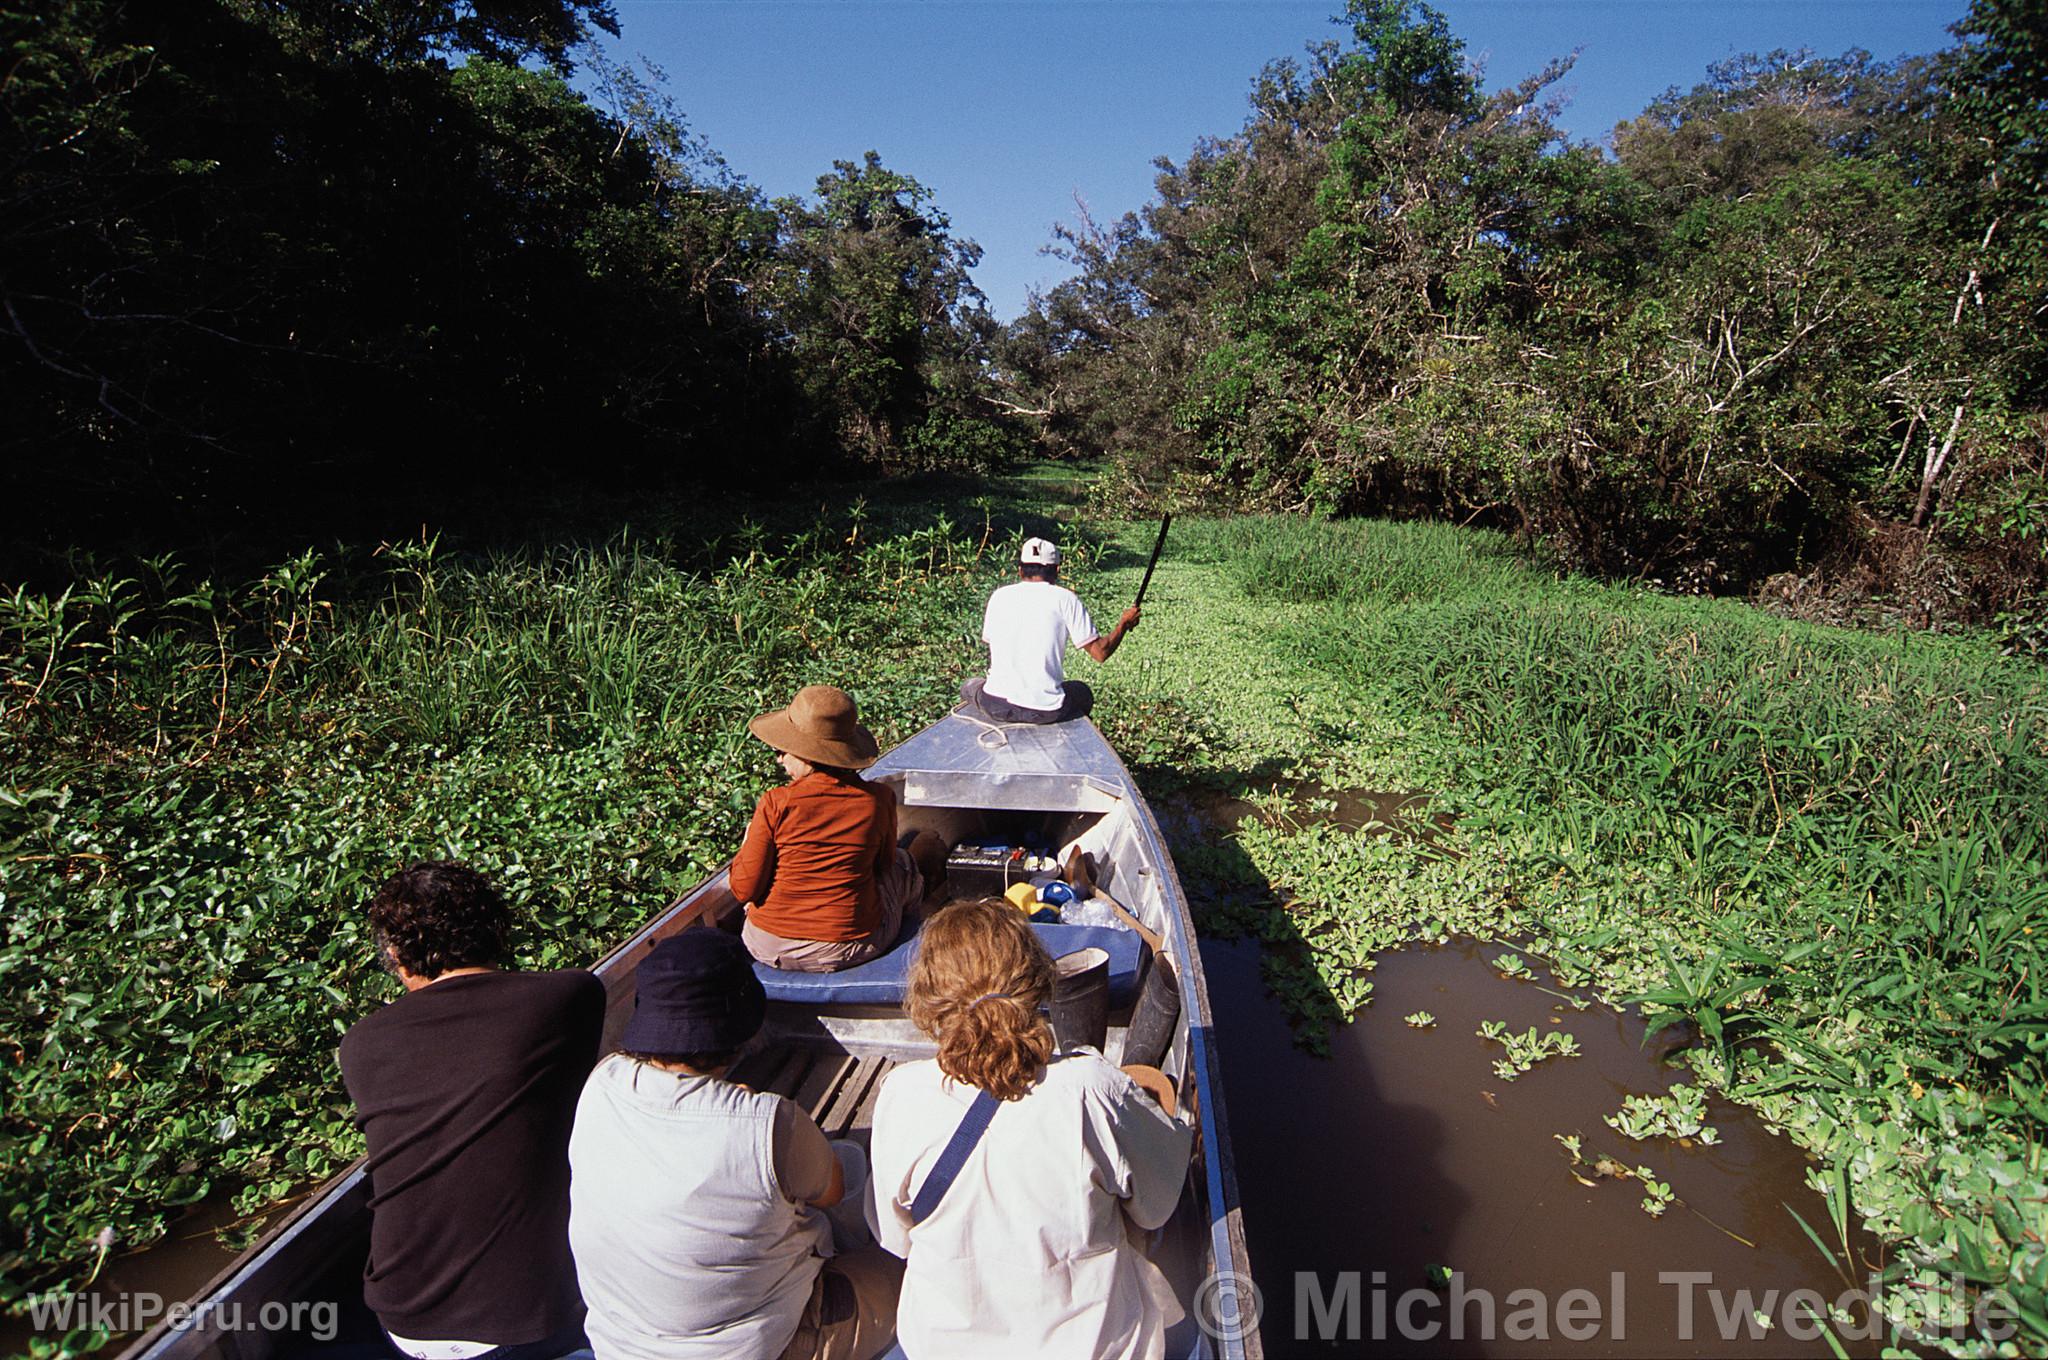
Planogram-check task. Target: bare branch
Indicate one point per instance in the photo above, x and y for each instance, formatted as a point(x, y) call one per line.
point(1935, 462)
point(1015, 409)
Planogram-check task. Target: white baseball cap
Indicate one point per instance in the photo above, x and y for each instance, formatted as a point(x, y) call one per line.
point(1039, 553)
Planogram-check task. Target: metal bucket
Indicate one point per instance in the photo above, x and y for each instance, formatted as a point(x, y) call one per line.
point(1080, 999)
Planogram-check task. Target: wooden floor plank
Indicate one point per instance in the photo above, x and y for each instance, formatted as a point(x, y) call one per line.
point(777, 1068)
point(794, 1072)
point(864, 1113)
point(758, 1068)
point(839, 1116)
point(834, 1088)
point(827, 1074)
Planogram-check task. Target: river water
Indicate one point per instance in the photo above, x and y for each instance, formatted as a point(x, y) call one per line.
point(166, 1272)
point(1404, 1151)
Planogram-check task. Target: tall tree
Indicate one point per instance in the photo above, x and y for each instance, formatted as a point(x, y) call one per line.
point(2001, 85)
point(1795, 318)
point(884, 324)
point(388, 32)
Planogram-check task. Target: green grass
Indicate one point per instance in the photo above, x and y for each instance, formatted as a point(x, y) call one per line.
point(1821, 852)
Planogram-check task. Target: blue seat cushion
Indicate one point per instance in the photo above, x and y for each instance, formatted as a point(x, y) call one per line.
point(881, 982)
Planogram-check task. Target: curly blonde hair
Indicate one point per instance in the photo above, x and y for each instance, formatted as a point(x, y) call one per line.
point(978, 985)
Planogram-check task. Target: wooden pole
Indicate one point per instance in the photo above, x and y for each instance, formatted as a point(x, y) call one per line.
point(1157, 545)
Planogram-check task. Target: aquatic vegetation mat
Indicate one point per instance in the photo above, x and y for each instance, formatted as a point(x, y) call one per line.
point(1818, 854)
point(205, 783)
point(1815, 857)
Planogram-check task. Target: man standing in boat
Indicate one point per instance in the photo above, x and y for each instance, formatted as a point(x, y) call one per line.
point(1028, 626)
point(465, 1090)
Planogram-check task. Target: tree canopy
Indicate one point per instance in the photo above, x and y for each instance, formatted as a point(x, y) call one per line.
point(1791, 324)
point(298, 267)
point(292, 267)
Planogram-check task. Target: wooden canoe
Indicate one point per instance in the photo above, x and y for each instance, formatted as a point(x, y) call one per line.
point(968, 781)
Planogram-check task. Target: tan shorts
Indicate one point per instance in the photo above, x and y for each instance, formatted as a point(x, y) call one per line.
point(852, 1311)
point(895, 890)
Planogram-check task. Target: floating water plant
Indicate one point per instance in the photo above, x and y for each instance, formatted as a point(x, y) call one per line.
point(1601, 749)
point(1420, 1020)
point(205, 781)
point(1511, 965)
point(1657, 1196)
point(1680, 1113)
point(1524, 1051)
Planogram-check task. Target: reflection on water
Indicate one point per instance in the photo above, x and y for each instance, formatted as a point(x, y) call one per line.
point(1405, 1151)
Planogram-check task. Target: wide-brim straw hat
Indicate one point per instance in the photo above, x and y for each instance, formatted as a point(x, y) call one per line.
point(820, 725)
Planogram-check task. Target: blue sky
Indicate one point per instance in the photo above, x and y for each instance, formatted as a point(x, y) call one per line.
point(1008, 109)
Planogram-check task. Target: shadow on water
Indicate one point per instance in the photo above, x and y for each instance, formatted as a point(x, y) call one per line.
point(1405, 1151)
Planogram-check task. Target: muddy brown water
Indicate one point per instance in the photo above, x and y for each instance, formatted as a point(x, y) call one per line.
point(1404, 1150)
point(170, 1269)
point(1399, 812)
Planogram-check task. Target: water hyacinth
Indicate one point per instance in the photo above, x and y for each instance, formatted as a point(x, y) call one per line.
point(207, 782)
point(1814, 856)
point(1817, 854)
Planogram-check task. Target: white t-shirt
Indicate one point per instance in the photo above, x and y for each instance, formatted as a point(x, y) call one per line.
point(1027, 627)
point(1030, 1253)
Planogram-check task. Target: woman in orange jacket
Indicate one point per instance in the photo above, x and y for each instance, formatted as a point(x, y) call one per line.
point(826, 884)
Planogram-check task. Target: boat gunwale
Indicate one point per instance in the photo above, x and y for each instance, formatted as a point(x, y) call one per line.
point(1229, 1253)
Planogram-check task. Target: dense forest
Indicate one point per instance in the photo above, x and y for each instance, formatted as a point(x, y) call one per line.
point(1792, 324)
point(286, 268)
point(277, 269)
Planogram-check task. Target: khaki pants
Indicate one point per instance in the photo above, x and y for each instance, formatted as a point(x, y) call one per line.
point(895, 890)
point(852, 1311)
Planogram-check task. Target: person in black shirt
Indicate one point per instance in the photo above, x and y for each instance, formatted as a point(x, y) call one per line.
point(465, 1089)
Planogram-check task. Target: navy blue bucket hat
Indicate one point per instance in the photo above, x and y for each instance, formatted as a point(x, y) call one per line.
point(697, 994)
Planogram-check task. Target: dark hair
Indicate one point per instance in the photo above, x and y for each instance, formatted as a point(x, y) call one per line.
point(709, 1061)
point(836, 771)
point(1038, 571)
point(440, 915)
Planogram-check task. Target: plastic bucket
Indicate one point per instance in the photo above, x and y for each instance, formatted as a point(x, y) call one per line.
point(1080, 999)
point(1152, 1020)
